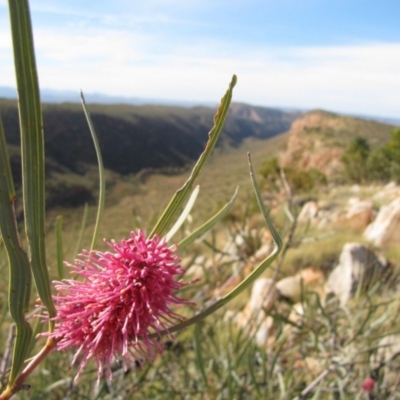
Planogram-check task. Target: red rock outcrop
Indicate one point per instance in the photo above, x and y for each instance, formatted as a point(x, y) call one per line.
point(310, 143)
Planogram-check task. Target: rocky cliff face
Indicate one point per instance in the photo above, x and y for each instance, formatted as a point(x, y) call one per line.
point(308, 148)
point(318, 139)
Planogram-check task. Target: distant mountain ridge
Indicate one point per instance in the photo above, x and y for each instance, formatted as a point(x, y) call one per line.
point(136, 137)
point(167, 139)
point(72, 96)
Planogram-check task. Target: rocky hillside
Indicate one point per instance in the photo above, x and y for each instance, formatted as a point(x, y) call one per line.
point(132, 139)
point(318, 138)
point(136, 137)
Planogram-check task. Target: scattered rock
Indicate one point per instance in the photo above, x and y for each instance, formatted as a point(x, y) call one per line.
point(312, 365)
point(358, 268)
point(385, 229)
point(253, 318)
point(308, 279)
point(389, 192)
point(263, 252)
point(357, 215)
point(389, 347)
point(308, 212)
point(195, 268)
point(263, 296)
point(265, 332)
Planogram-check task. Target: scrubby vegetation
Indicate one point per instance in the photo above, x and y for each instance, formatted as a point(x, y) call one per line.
point(299, 180)
point(380, 164)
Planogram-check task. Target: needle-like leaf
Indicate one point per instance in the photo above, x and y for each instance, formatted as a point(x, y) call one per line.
point(32, 147)
point(181, 195)
point(20, 274)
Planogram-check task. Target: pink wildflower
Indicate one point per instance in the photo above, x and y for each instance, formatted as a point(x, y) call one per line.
point(125, 296)
point(368, 385)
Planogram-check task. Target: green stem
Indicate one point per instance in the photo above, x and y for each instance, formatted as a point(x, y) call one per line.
point(18, 384)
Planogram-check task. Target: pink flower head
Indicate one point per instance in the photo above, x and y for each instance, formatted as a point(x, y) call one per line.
point(368, 385)
point(125, 296)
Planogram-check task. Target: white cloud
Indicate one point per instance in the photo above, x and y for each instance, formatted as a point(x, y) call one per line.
point(5, 40)
point(83, 48)
point(361, 78)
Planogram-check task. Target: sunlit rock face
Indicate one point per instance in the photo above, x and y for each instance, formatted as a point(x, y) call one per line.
point(357, 270)
point(385, 229)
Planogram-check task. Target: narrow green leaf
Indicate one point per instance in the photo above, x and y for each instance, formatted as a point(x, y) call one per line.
point(207, 225)
point(242, 349)
point(102, 179)
point(199, 354)
point(81, 230)
point(275, 359)
point(32, 147)
point(184, 214)
point(63, 383)
point(250, 369)
point(181, 195)
point(20, 274)
point(284, 319)
point(3, 312)
point(275, 235)
point(59, 247)
point(247, 281)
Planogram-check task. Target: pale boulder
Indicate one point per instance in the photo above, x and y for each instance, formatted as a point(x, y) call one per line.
point(263, 296)
point(263, 252)
point(359, 213)
point(389, 348)
point(265, 332)
point(356, 216)
point(253, 318)
point(385, 229)
point(308, 279)
point(309, 212)
point(358, 268)
point(389, 192)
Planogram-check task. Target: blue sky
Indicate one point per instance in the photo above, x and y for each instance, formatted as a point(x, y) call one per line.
point(338, 55)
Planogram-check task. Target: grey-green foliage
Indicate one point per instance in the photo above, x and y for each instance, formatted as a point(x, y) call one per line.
point(299, 180)
point(32, 146)
point(355, 159)
point(363, 164)
point(20, 278)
